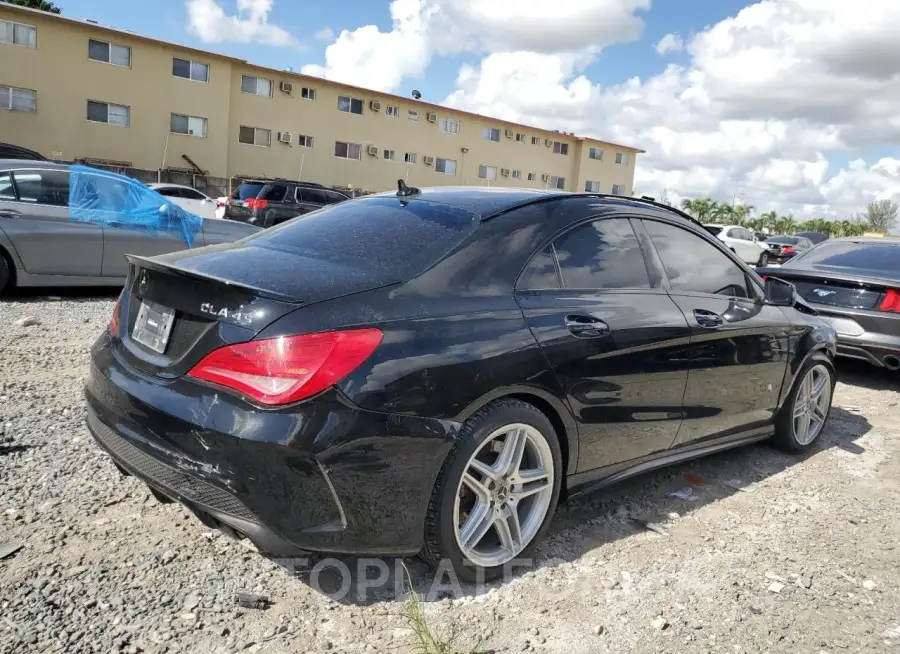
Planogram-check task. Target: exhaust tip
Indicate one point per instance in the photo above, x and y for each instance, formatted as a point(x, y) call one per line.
point(891, 362)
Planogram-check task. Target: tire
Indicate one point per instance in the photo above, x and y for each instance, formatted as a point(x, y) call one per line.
point(789, 427)
point(5, 273)
point(763, 260)
point(491, 491)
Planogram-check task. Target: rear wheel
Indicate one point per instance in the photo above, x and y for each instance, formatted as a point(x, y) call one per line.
point(496, 493)
point(803, 416)
point(5, 273)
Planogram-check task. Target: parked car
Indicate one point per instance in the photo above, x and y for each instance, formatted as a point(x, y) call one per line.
point(782, 248)
point(11, 151)
point(742, 242)
point(854, 284)
point(188, 198)
point(41, 244)
point(271, 202)
point(814, 237)
point(431, 372)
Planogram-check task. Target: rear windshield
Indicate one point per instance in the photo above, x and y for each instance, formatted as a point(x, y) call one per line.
point(877, 259)
point(375, 234)
point(712, 229)
point(246, 191)
point(784, 240)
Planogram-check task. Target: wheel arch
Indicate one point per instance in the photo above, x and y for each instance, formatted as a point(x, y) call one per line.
point(816, 351)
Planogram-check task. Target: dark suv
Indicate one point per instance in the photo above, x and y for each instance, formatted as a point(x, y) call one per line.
point(271, 202)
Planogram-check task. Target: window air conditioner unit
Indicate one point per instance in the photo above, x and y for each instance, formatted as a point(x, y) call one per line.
point(284, 137)
point(429, 161)
point(287, 87)
point(548, 142)
point(372, 150)
point(504, 172)
point(545, 177)
point(508, 133)
point(430, 117)
point(374, 105)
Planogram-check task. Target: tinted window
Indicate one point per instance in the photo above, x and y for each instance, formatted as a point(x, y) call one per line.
point(315, 196)
point(246, 191)
point(878, 259)
point(334, 197)
point(692, 264)
point(273, 193)
point(713, 230)
point(191, 194)
point(168, 192)
point(540, 273)
point(43, 186)
point(601, 254)
point(7, 193)
point(375, 234)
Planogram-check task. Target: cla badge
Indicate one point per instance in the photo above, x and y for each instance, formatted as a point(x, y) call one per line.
point(236, 315)
point(821, 292)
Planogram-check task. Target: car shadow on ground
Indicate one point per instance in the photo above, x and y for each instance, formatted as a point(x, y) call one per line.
point(583, 525)
point(860, 373)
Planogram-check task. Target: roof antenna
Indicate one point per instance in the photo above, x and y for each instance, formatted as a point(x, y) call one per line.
point(404, 191)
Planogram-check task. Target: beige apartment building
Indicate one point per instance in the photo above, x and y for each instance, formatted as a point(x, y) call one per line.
point(73, 89)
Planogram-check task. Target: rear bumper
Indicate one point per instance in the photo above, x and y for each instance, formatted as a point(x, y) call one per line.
point(864, 335)
point(323, 475)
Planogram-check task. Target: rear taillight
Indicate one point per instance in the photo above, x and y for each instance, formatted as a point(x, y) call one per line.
point(287, 369)
point(220, 204)
point(256, 204)
point(891, 301)
point(787, 249)
point(114, 321)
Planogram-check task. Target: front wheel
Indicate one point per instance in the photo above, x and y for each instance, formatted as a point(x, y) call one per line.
point(496, 493)
point(802, 417)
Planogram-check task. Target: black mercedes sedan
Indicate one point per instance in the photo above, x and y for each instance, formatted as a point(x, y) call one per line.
point(782, 248)
point(431, 371)
point(854, 284)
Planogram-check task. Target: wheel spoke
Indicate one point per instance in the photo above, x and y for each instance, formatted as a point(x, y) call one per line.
point(476, 526)
point(799, 408)
point(802, 427)
point(509, 530)
point(510, 458)
point(818, 414)
point(484, 469)
point(480, 490)
point(819, 386)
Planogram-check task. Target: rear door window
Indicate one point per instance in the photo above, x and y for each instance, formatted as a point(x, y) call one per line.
point(273, 193)
point(169, 192)
point(49, 187)
point(333, 197)
point(246, 191)
point(603, 254)
point(312, 195)
point(540, 273)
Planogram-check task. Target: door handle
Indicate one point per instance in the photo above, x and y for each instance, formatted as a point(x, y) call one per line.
point(708, 318)
point(9, 213)
point(586, 326)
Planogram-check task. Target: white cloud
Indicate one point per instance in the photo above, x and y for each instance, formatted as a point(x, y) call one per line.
point(324, 34)
point(250, 24)
point(670, 43)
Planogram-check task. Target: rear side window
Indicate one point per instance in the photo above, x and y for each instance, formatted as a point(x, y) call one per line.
point(603, 254)
point(246, 191)
point(877, 259)
point(312, 195)
point(273, 193)
point(540, 273)
point(694, 265)
point(7, 192)
point(334, 197)
point(169, 192)
point(375, 234)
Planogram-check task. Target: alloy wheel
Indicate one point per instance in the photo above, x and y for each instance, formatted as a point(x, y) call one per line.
point(504, 494)
point(811, 404)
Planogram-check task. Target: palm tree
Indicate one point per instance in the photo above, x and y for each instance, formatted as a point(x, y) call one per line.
point(740, 214)
point(768, 220)
point(700, 208)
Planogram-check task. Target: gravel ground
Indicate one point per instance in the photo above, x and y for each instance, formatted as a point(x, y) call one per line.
point(804, 559)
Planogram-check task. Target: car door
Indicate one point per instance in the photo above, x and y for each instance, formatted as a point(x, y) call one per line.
point(34, 215)
point(739, 344)
point(614, 338)
point(121, 238)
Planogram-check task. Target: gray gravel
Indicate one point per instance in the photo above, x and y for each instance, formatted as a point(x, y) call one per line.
point(804, 559)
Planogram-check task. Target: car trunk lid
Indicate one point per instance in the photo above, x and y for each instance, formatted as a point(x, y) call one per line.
point(836, 289)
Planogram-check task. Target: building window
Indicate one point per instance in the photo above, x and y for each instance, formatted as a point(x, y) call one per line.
point(305, 141)
point(112, 114)
point(18, 34)
point(390, 155)
point(558, 182)
point(392, 111)
point(592, 187)
point(517, 174)
point(307, 93)
point(187, 69)
point(446, 166)
point(596, 153)
point(256, 86)
point(449, 125)
point(535, 140)
point(532, 177)
point(109, 53)
point(412, 114)
point(560, 148)
point(350, 105)
point(15, 99)
point(618, 189)
point(491, 134)
point(622, 158)
point(487, 172)
point(520, 138)
point(190, 125)
point(255, 136)
point(410, 157)
point(347, 150)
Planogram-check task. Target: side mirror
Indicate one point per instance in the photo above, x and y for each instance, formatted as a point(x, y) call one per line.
point(779, 293)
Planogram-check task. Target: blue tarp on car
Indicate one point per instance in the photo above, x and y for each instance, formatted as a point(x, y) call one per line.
point(105, 198)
